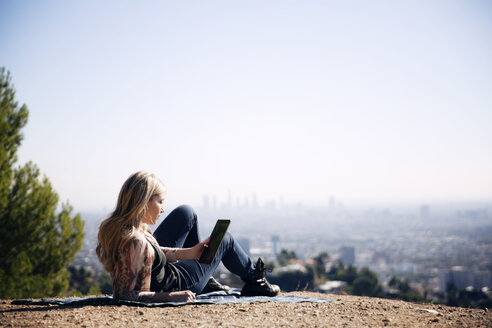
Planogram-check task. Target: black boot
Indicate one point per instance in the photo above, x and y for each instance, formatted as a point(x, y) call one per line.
point(257, 285)
point(215, 286)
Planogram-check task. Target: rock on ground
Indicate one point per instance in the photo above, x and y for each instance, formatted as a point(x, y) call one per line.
point(343, 311)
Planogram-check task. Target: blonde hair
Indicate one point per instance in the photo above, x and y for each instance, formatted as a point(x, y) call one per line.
point(126, 220)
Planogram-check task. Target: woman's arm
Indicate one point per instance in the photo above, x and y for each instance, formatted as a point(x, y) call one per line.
point(145, 295)
point(179, 296)
point(179, 254)
point(139, 258)
point(156, 297)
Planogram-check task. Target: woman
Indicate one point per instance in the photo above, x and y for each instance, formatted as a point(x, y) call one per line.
point(164, 266)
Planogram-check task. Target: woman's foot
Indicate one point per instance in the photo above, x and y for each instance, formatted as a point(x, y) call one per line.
point(257, 285)
point(214, 286)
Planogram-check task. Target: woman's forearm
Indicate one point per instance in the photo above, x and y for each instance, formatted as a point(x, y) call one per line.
point(179, 296)
point(157, 297)
point(161, 297)
point(177, 254)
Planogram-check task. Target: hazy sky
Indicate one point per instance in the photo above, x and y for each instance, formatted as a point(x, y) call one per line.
point(368, 101)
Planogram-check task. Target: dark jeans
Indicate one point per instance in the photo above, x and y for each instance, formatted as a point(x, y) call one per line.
point(180, 229)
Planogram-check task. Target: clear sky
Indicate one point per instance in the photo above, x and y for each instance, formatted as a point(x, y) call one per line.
point(367, 101)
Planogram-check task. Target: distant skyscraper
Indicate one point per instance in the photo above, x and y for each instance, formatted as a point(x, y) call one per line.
point(347, 255)
point(481, 279)
point(254, 201)
point(332, 203)
point(206, 202)
point(275, 244)
point(461, 277)
point(229, 199)
point(424, 211)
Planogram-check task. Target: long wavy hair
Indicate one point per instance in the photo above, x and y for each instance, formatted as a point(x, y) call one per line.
point(126, 220)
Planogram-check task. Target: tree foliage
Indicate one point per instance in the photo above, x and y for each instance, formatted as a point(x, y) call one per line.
point(285, 256)
point(319, 265)
point(339, 272)
point(401, 289)
point(38, 240)
point(84, 281)
point(290, 281)
point(366, 284)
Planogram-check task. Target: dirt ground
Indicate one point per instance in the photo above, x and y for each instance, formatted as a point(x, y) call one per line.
point(343, 311)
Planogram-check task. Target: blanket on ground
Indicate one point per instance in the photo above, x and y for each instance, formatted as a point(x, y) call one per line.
point(210, 298)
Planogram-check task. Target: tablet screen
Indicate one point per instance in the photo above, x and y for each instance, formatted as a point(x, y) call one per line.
point(216, 237)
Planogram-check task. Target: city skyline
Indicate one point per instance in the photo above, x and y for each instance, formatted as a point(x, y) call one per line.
point(229, 201)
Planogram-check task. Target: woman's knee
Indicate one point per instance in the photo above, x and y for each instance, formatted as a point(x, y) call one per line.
point(228, 240)
point(185, 212)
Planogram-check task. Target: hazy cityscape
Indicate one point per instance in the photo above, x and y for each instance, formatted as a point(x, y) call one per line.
point(429, 246)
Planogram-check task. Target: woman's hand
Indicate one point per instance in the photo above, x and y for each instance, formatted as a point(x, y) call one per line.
point(197, 250)
point(182, 296)
point(179, 254)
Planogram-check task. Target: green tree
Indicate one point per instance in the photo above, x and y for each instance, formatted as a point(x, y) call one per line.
point(296, 280)
point(80, 280)
point(319, 264)
point(105, 284)
point(401, 285)
point(337, 271)
point(403, 291)
point(38, 240)
point(350, 274)
point(285, 256)
point(366, 284)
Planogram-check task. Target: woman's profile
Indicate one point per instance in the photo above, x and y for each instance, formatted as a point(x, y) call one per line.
point(163, 266)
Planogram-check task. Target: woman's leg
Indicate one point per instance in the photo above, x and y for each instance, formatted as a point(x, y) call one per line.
point(195, 275)
point(179, 228)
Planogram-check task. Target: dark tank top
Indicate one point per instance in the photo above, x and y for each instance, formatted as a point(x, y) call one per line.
point(164, 275)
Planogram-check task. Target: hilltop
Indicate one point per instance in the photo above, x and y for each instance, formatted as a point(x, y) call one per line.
point(343, 311)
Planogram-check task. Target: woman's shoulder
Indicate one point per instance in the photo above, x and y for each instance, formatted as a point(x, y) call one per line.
point(137, 239)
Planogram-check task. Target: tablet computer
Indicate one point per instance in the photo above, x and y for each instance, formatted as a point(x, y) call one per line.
point(216, 237)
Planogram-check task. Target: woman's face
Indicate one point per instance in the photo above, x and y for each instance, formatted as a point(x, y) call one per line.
point(155, 207)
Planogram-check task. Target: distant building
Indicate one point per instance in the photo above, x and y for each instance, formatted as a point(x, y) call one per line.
point(229, 199)
point(206, 202)
point(291, 268)
point(461, 278)
point(331, 203)
point(275, 244)
point(424, 211)
point(244, 242)
point(404, 267)
point(474, 214)
point(381, 257)
point(481, 279)
point(254, 200)
point(347, 255)
point(333, 287)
